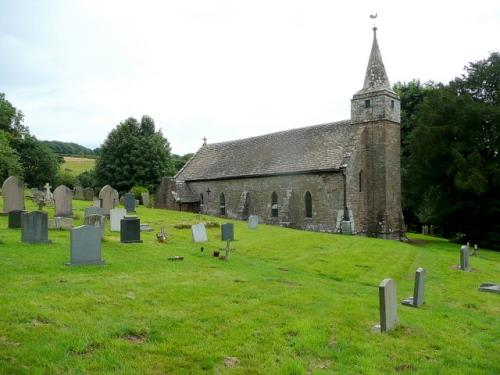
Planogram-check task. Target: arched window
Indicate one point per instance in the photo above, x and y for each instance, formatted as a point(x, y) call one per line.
point(222, 204)
point(274, 205)
point(309, 204)
point(360, 181)
point(201, 198)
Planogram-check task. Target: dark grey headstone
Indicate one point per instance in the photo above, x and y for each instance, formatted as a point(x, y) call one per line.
point(129, 202)
point(464, 258)
point(35, 227)
point(15, 219)
point(96, 221)
point(418, 291)
point(130, 229)
point(93, 211)
point(85, 246)
point(227, 232)
point(388, 305)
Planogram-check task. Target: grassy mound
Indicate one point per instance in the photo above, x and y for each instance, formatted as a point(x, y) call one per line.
point(286, 302)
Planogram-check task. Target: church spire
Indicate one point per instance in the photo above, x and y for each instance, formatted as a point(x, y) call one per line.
point(376, 77)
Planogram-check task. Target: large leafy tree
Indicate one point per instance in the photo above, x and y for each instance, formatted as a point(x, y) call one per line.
point(454, 163)
point(9, 160)
point(134, 154)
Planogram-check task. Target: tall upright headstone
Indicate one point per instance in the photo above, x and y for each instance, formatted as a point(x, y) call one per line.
point(116, 198)
point(78, 193)
point(130, 229)
point(88, 194)
point(63, 201)
point(13, 194)
point(116, 215)
point(107, 196)
point(464, 258)
point(253, 221)
point(35, 227)
point(85, 246)
point(227, 232)
point(418, 291)
point(129, 202)
point(145, 199)
point(199, 233)
point(387, 305)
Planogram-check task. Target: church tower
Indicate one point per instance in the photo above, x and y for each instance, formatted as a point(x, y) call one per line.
point(375, 109)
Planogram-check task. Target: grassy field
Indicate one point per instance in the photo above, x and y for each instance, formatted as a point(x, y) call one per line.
point(286, 302)
point(77, 165)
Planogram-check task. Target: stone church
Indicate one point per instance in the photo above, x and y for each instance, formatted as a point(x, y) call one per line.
point(339, 177)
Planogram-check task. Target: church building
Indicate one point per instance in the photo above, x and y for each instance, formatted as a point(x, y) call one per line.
point(341, 177)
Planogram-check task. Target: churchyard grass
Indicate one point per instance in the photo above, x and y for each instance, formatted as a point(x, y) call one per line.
point(75, 165)
point(286, 302)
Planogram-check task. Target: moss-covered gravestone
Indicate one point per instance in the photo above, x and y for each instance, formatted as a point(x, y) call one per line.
point(35, 227)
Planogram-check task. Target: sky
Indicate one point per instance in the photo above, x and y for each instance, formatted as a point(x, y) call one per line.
point(224, 69)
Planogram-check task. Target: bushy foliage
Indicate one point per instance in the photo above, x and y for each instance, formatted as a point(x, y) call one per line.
point(87, 179)
point(134, 154)
point(66, 178)
point(137, 191)
point(68, 148)
point(180, 161)
point(9, 160)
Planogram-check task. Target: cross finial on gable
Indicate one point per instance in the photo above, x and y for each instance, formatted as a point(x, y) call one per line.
point(204, 141)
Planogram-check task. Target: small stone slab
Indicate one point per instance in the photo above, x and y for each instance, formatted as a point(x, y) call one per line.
point(145, 199)
point(489, 287)
point(129, 202)
point(146, 228)
point(116, 215)
point(130, 230)
point(108, 198)
point(15, 218)
point(78, 193)
point(417, 299)
point(63, 201)
point(34, 227)
point(345, 227)
point(227, 232)
point(85, 243)
point(253, 221)
point(93, 210)
point(96, 221)
point(199, 233)
point(464, 258)
point(387, 305)
point(88, 194)
point(63, 223)
point(177, 257)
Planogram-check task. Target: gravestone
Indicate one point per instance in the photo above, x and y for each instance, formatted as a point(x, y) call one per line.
point(61, 223)
point(346, 227)
point(199, 233)
point(34, 191)
point(34, 227)
point(48, 194)
point(63, 201)
point(93, 211)
point(129, 202)
point(97, 221)
point(418, 292)
point(227, 232)
point(116, 198)
point(253, 221)
point(464, 258)
point(107, 196)
point(78, 193)
point(130, 229)
point(85, 243)
point(97, 203)
point(116, 215)
point(15, 219)
point(387, 306)
point(490, 287)
point(145, 199)
point(13, 194)
point(88, 194)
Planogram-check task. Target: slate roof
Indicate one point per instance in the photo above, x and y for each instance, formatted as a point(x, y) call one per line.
point(314, 148)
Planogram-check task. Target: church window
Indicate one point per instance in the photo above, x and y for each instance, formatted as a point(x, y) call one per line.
point(222, 204)
point(392, 104)
point(309, 204)
point(360, 181)
point(367, 103)
point(274, 205)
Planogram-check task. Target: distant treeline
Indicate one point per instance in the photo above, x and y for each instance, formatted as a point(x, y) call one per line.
point(70, 148)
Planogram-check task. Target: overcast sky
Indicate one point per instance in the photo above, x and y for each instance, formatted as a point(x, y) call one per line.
point(224, 69)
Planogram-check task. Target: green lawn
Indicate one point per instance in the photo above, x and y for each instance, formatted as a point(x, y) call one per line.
point(286, 302)
point(76, 165)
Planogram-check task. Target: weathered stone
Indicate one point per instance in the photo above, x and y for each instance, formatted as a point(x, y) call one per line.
point(129, 202)
point(15, 219)
point(418, 292)
point(78, 193)
point(97, 203)
point(490, 287)
point(108, 198)
point(387, 305)
point(34, 227)
point(116, 215)
point(199, 233)
point(88, 194)
point(93, 210)
point(85, 246)
point(63, 201)
point(227, 232)
point(464, 258)
point(63, 223)
point(253, 221)
point(96, 221)
point(146, 228)
point(130, 229)
point(49, 197)
point(13, 194)
point(145, 199)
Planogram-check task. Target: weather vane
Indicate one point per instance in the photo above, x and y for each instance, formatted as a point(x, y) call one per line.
point(373, 16)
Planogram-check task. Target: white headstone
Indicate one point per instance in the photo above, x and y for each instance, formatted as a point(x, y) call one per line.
point(199, 233)
point(253, 221)
point(48, 194)
point(115, 215)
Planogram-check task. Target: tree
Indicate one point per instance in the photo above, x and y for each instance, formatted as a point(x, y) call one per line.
point(134, 154)
point(454, 160)
point(179, 161)
point(11, 120)
point(9, 160)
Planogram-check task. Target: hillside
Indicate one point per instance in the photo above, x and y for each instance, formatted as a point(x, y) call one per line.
point(286, 302)
point(77, 165)
point(68, 148)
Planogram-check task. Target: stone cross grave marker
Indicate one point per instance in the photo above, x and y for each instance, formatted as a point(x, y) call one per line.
point(107, 196)
point(253, 221)
point(464, 258)
point(88, 194)
point(129, 202)
point(13, 194)
point(97, 221)
point(48, 194)
point(145, 198)
point(78, 193)
point(93, 211)
point(418, 291)
point(387, 306)
point(85, 243)
point(116, 215)
point(63, 201)
point(15, 219)
point(35, 227)
point(199, 233)
point(130, 229)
